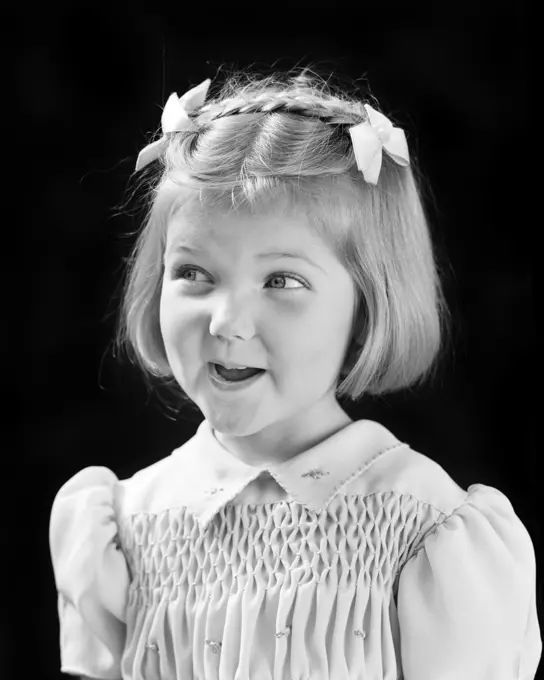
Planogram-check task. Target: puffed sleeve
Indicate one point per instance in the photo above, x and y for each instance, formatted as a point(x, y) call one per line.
point(467, 597)
point(91, 575)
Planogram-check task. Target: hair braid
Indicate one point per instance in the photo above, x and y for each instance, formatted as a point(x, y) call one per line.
point(333, 112)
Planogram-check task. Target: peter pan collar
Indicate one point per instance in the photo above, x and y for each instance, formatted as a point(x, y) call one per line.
point(212, 476)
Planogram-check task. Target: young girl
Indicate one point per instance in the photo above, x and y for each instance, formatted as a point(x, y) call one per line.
point(286, 262)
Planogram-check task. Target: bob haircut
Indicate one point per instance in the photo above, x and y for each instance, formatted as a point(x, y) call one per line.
point(277, 143)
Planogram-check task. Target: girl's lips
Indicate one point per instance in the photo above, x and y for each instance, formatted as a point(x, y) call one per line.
point(234, 386)
point(211, 363)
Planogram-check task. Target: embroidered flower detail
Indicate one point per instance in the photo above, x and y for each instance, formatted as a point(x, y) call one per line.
point(153, 646)
point(316, 473)
point(214, 491)
point(286, 632)
point(214, 646)
point(360, 633)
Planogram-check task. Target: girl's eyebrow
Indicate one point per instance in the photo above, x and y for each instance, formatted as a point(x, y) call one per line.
point(272, 254)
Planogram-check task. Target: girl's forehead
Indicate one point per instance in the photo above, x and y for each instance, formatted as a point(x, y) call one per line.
point(198, 229)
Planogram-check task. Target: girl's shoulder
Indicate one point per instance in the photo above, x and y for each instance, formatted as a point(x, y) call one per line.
point(99, 486)
point(85, 505)
point(406, 473)
point(91, 486)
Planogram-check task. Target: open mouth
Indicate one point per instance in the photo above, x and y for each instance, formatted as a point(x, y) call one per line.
point(233, 375)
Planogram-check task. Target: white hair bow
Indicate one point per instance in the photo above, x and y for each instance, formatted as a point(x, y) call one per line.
point(175, 118)
point(368, 138)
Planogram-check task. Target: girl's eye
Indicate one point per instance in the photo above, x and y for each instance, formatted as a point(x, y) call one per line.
point(180, 271)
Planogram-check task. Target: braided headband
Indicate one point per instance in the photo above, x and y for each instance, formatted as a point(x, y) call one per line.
point(368, 138)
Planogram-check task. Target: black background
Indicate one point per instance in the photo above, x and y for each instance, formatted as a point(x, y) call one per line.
point(90, 84)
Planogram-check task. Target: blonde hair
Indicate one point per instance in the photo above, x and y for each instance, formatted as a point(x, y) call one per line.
point(280, 142)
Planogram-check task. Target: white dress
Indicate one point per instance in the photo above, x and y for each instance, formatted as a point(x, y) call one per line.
point(359, 559)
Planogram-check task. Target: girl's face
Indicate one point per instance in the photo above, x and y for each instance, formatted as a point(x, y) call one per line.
point(234, 298)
